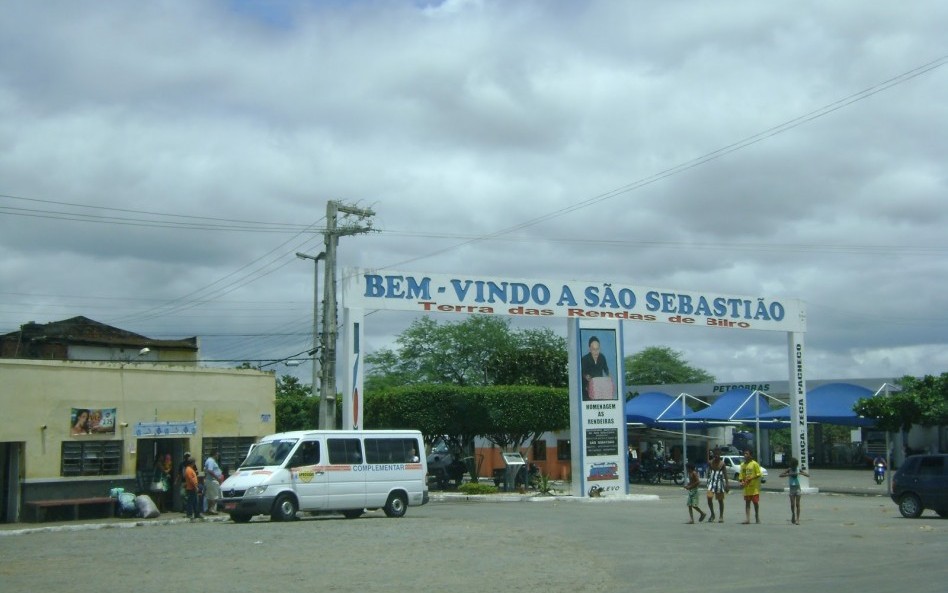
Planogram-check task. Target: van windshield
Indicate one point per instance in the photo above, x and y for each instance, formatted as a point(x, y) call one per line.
point(269, 453)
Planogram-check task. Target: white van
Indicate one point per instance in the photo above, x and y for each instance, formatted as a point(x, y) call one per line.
point(339, 471)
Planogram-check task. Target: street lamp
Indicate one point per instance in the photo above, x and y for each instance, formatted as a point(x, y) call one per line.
point(324, 420)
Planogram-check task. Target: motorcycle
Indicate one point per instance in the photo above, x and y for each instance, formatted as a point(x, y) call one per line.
point(645, 473)
point(673, 472)
point(653, 471)
point(879, 473)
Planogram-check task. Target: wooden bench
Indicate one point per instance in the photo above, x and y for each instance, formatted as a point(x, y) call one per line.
point(40, 507)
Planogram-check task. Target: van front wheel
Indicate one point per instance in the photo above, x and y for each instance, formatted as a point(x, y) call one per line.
point(284, 508)
point(396, 506)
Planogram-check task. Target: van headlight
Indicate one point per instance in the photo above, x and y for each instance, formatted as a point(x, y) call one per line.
point(255, 491)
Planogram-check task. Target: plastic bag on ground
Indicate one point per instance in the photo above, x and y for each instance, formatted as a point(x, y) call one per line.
point(127, 506)
point(146, 507)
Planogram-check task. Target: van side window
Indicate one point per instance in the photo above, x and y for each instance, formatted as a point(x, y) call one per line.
point(307, 454)
point(344, 451)
point(391, 450)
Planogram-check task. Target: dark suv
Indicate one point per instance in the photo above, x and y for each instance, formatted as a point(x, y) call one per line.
point(922, 483)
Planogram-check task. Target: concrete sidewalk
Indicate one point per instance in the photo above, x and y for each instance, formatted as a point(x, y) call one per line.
point(826, 481)
point(836, 481)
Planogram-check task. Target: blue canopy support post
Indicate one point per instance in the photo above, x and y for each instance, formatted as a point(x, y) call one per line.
point(756, 394)
point(884, 392)
point(683, 398)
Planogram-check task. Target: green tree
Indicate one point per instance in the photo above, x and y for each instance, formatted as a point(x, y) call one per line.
point(922, 401)
point(296, 408)
point(453, 353)
point(659, 365)
point(453, 413)
point(534, 357)
point(480, 350)
point(522, 413)
point(833, 434)
point(385, 371)
point(506, 415)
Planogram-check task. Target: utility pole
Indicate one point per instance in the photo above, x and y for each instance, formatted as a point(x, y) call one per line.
point(316, 367)
point(334, 230)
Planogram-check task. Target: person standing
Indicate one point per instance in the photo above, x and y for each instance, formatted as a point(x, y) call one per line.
point(181, 467)
point(179, 478)
point(692, 488)
point(717, 485)
point(750, 480)
point(191, 491)
point(213, 476)
point(793, 473)
point(167, 469)
point(160, 483)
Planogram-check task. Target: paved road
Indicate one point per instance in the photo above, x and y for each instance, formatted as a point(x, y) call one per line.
point(846, 543)
point(836, 481)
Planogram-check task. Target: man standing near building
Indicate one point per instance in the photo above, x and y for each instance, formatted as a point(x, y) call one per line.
point(213, 476)
point(179, 480)
point(190, 491)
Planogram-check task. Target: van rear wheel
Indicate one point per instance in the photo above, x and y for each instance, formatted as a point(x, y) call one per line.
point(396, 506)
point(284, 508)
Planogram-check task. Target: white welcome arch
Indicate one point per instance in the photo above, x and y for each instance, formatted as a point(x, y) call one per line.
point(595, 311)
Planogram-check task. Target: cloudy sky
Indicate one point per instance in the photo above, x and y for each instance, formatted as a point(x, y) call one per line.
point(162, 162)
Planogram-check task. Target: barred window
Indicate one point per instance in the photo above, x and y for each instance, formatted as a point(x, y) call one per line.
point(539, 450)
point(563, 452)
point(233, 450)
point(91, 458)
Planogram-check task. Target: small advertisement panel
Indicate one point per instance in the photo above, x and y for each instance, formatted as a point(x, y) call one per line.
point(83, 421)
point(597, 413)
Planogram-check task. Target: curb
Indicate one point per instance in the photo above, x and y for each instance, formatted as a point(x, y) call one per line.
point(451, 497)
point(92, 526)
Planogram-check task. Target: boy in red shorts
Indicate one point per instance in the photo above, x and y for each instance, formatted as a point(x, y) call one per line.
point(750, 480)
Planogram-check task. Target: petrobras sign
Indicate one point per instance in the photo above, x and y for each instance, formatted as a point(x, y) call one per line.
point(442, 293)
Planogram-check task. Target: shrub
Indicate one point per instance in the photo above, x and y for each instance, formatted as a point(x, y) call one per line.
point(477, 488)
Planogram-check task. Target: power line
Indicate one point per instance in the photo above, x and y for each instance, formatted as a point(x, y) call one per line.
point(701, 160)
point(180, 221)
point(804, 247)
point(186, 301)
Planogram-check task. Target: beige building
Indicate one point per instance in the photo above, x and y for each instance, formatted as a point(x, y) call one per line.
point(78, 428)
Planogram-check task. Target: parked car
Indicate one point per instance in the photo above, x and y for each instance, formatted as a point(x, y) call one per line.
point(732, 464)
point(444, 467)
point(921, 483)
